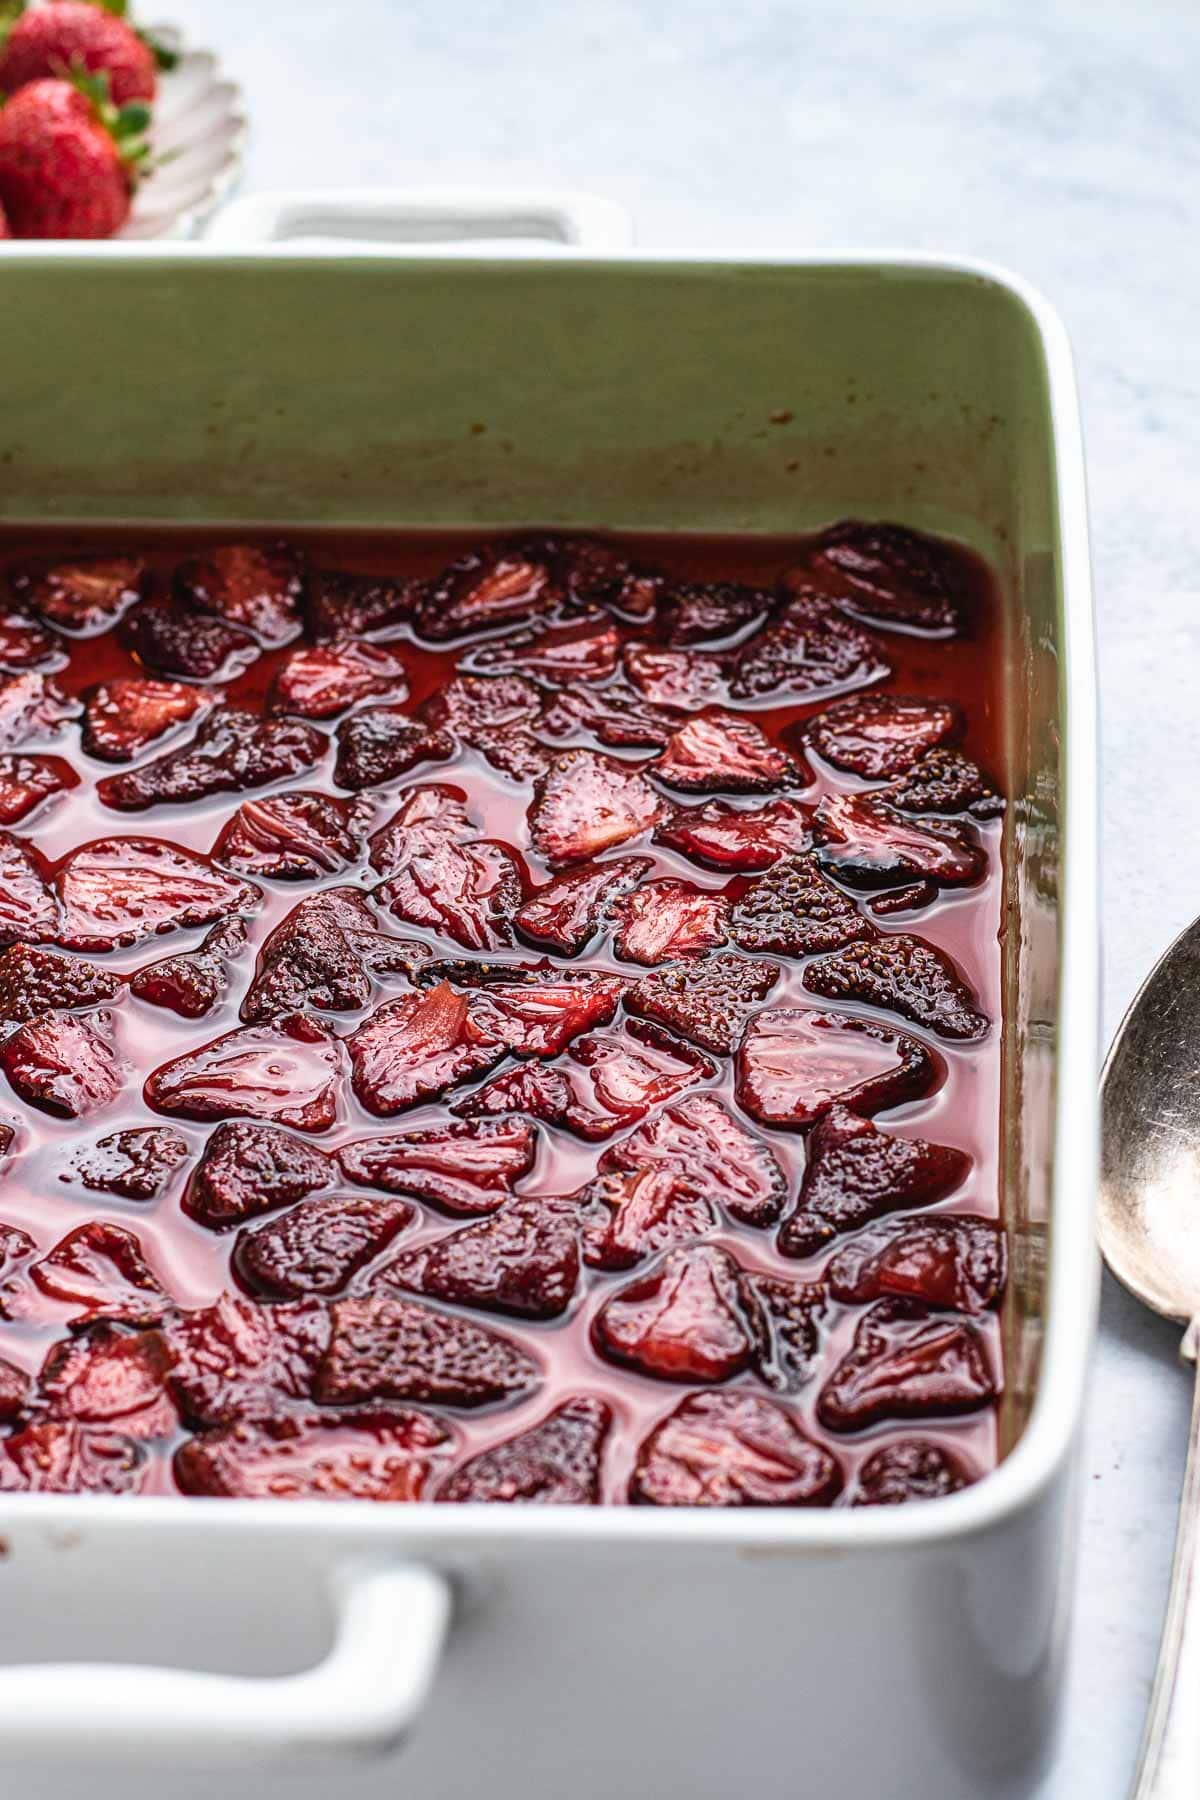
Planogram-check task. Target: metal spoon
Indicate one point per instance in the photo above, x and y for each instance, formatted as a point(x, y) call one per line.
point(1150, 1236)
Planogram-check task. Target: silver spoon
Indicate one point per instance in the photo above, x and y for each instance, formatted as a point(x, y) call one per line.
point(1150, 1235)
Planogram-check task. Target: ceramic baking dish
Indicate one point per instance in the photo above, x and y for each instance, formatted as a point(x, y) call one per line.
point(572, 1652)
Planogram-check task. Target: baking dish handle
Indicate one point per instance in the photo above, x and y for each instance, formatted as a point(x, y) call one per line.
point(365, 1695)
point(418, 218)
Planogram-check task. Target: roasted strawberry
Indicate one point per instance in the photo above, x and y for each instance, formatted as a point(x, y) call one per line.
point(69, 161)
point(169, 640)
point(855, 1172)
point(244, 1359)
point(587, 803)
point(82, 597)
point(315, 1247)
point(297, 836)
point(597, 574)
point(191, 985)
point(685, 1319)
point(381, 743)
point(500, 584)
point(945, 781)
point(231, 751)
point(700, 1138)
point(880, 735)
point(554, 1463)
point(321, 680)
point(250, 1169)
point(125, 716)
point(36, 982)
point(101, 1267)
point(668, 918)
point(868, 844)
point(634, 1213)
point(56, 1456)
point(890, 575)
point(912, 1469)
point(67, 34)
point(466, 1167)
point(723, 751)
point(119, 891)
point(524, 1260)
point(108, 1378)
point(733, 1449)
point(256, 587)
point(387, 1453)
point(707, 1002)
point(427, 812)
point(28, 907)
point(793, 910)
point(466, 892)
point(807, 651)
point(17, 1251)
point(64, 1064)
point(15, 1389)
point(31, 707)
point(793, 1065)
point(473, 703)
point(342, 606)
point(28, 781)
point(913, 898)
point(687, 679)
point(791, 1314)
point(902, 975)
point(955, 1262)
point(539, 1012)
point(325, 953)
point(417, 1047)
point(285, 1072)
point(567, 913)
point(694, 612)
point(136, 1165)
point(613, 715)
point(584, 652)
point(392, 1349)
point(721, 836)
point(906, 1363)
point(25, 645)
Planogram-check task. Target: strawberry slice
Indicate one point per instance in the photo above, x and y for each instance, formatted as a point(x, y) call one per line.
point(708, 1002)
point(466, 892)
point(390, 1454)
point(250, 1169)
point(498, 584)
point(686, 679)
point(945, 781)
point(125, 716)
point(957, 1263)
point(417, 1047)
point(733, 1449)
point(695, 612)
point(597, 574)
point(106, 1378)
point(586, 803)
point(392, 1349)
point(35, 982)
point(913, 898)
point(684, 1320)
point(906, 1363)
point(524, 1261)
point(319, 681)
point(700, 1139)
point(257, 587)
point(191, 985)
point(721, 836)
point(16, 1389)
point(64, 1064)
point(32, 706)
point(83, 597)
point(868, 844)
point(427, 812)
point(381, 743)
point(612, 715)
point(27, 782)
point(315, 1247)
point(298, 836)
point(539, 1012)
point(467, 1167)
point(231, 751)
point(792, 1313)
point(25, 645)
point(892, 576)
point(902, 975)
point(28, 908)
point(807, 652)
point(793, 910)
point(285, 1072)
point(585, 652)
point(347, 606)
point(555, 1463)
point(169, 640)
point(723, 751)
point(101, 1267)
point(326, 953)
point(138, 1164)
point(913, 1469)
point(56, 1456)
point(880, 735)
point(17, 1251)
point(119, 891)
point(473, 703)
point(634, 1213)
point(567, 912)
point(794, 1065)
point(244, 1359)
point(669, 918)
point(855, 1172)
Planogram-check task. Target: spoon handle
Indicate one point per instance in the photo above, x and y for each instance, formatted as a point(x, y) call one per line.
point(1170, 1762)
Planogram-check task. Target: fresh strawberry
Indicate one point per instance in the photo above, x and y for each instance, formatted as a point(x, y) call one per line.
point(868, 844)
point(167, 639)
point(394, 1349)
point(297, 836)
point(585, 652)
point(554, 1463)
point(794, 1065)
point(668, 918)
point(87, 596)
point(315, 1247)
point(694, 612)
point(192, 984)
point(138, 1164)
point(382, 1453)
point(721, 836)
point(45, 40)
point(892, 576)
point(64, 1064)
point(806, 652)
point(285, 1072)
point(348, 606)
point(902, 975)
point(101, 1267)
point(684, 1320)
point(913, 1469)
point(500, 584)
point(567, 913)
point(232, 750)
point(587, 803)
point(250, 1169)
point(256, 588)
point(723, 752)
point(381, 743)
point(125, 716)
point(466, 892)
point(417, 1047)
point(953, 1262)
point(793, 911)
point(69, 159)
point(700, 1139)
point(466, 1167)
point(119, 891)
point(326, 953)
point(733, 1449)
point(32, 706)
point(35, 982)
point(634, 1213)
point(23, 642)
point(881, 735)
point(244, 1359)
point(524, 1260)
point(854, 1172)
point(613, 715)
point(708, 1002)
point(686, 679)
point(945, 781)
point(319, 681)
point(28, 906)
point(905, 1363)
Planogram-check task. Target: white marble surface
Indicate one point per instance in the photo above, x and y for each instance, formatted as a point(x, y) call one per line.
point(1061, 137)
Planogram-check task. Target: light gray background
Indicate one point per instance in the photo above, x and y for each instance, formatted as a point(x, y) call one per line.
point(1060, 137)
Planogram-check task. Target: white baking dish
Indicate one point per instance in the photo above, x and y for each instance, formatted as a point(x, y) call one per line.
point(572, 1654)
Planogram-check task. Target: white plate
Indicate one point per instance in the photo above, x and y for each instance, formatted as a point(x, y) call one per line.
point(199, 130)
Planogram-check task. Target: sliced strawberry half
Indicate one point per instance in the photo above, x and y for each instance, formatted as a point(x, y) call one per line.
point(138, 1164)
point(568, 911)
point(734, 1449)
point(17, 1251)
point(684, 1320)
point(192, 984)
point(119, 891)
point(125, 716)
point(634, 1213)
point(892, 576)
point(498, 584)
point(250, 1169)
point(317, 1245)
point(257, 587)
point(28, 906)
point(957, 1263)
point(82, 597)
point(27, 782)
point(902, 975)
point(102, 1268)
point(57, 1456)
point(426, 813)
point(319, 681)
point(913, 1469)
point(723, 751)
point(793, 910)
point(792, 1313)
point(16, 1388)
point(417, 1047)
point(555, 1463)
point(906, 1363)
point(721, 836)
point(298, 836)
point(807, 652)
point(468, 893)
point(613, 715)
point(700, 1138)
point(328, 953)
point(471, 703)
point(868, 844)
point(668, 918)
point(395, 1349)
point(341, 605)
point(470, 1166)
point(855, 1172)
point(587, 803)
point(597, 574)
point(694, 612)
point(382, 1453)
point(538, 1013)
point(285, 1072)
point(106, 1378)
point(381, 743)
point(585, 652)
point(64, 1064)
point(231, 751)
point(945, 781)
point(882, 735)
point(25, 645)
point(524, 1261)
point(32, 706)
point(245, 1359)
point(707, 1002)
point(35, 982)
point(686, 679)
point(167, 639)
point(794, 1065)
